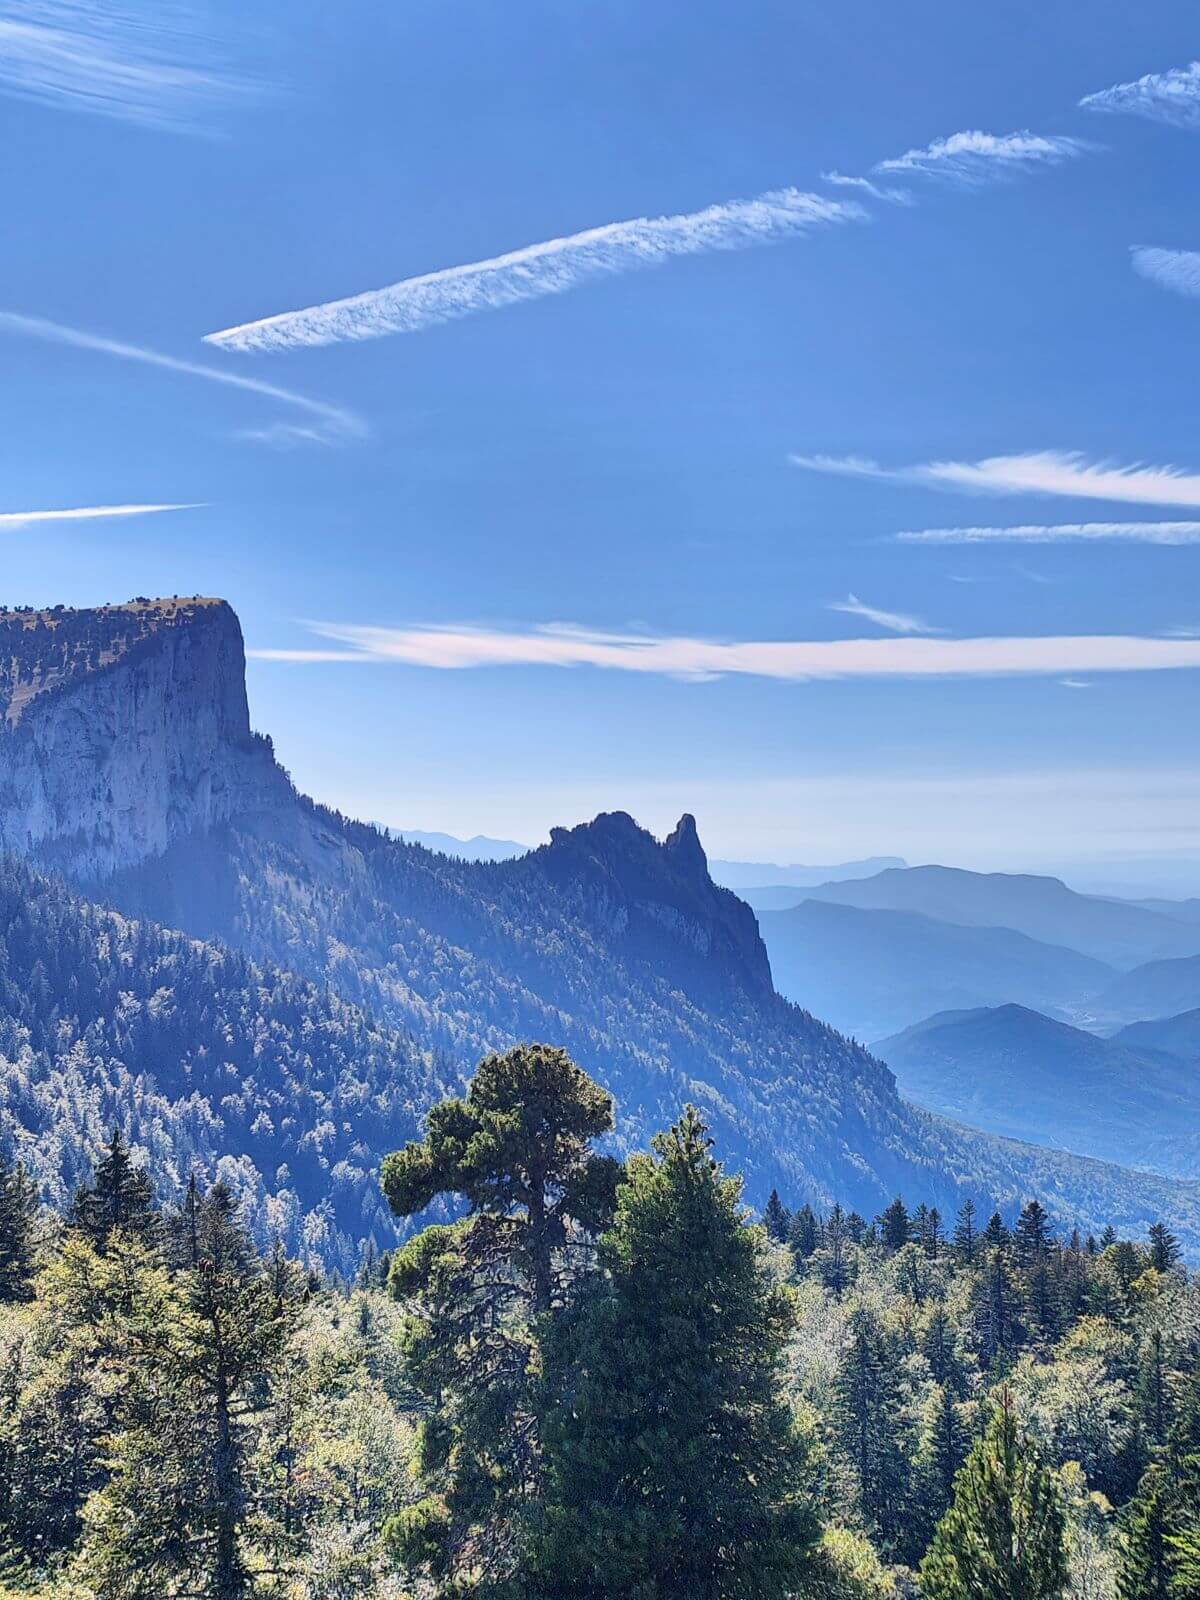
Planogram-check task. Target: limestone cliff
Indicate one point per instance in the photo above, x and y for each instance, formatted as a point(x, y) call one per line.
point(123, 728)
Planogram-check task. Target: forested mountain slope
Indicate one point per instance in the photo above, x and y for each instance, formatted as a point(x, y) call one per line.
point(1019, 1073)
point(212, 1064)
point(605, 941)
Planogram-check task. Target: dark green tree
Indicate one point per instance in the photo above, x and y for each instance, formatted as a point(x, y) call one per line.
point(871, 1428)
point(995, 1311)
point(966, 1236)
point(833, 1259)
point(119, 1196)
point(776, 1218)
point(1165, 1254)
point(482, 1293)
point(894, 1226)
point(182, 1503)
point(1144, 1570)
point(18, 1220)
point(1003, 1536)
point(676, 1470)
point(804, 1235)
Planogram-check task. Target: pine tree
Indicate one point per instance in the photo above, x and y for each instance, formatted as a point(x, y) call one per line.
point(483, 1293)
point(995, 1235)
point(965, 1236)
point(120, 1196)
point(776, 1218)
point(996, 1319)
point(868, 1408)
point(675, 1467)
point(1144, 1571)
point(203, 1350)
point(894, 1226)
point(832, 1259)
point(18, 1218)
point(1003, 1536)
point(1165, 1253)
point(938, 1348)
point(804, 1234)
point(944, 1449)
point(1033, 1235)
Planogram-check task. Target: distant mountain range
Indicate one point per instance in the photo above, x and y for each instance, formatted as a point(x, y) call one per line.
point(871, 973)
point(128, 768)
point(1133, 1098)
point(1114, 931)
point(759, 874)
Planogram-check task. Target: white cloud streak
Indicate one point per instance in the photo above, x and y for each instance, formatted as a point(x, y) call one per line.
point(1177, 270)
point(151, 63)
point(1162, 533)
point(973, 157)
point(12, 521)
point(896, 197)
point(537, 270)
point(893, 621)
point(1172, 97)
point(457, 648)
point(1044, 472)
point(332, 422)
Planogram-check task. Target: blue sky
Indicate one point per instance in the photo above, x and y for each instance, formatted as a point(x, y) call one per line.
point(580, 549)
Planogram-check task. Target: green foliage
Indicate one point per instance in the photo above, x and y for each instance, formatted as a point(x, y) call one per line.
point(18, 1216)
point(1003, 1536)
point(482, 1293)
point(677, 1470)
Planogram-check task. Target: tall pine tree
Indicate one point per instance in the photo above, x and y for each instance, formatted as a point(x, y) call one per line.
point(676, 1469)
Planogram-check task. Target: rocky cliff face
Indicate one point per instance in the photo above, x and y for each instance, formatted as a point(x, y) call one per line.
point(122, 729)
point(657, 901)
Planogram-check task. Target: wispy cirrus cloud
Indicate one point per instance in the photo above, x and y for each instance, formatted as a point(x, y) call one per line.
point(973, 157)
point(893, 621)
point(537, 270)
point(557, 645)
point(1045, 472)
point(1177, 270)
point(844, 180)
point(13, 521)
point(1163, 533)
point(1172, 97)
point(330, 422)
point(157, 63)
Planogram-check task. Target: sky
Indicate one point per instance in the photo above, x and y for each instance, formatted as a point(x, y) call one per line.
point(781, 413)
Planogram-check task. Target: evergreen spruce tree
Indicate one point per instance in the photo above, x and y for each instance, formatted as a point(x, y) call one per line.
point(870, 1421)
point(675, 1468)
point(1003, 1536)
point(182, 1504)
point(18, 1218)
point(804, 1234)
point(966, 1239)
point(482, 1295)
point(995, 1235)
point(894, 1226)
point(999, 1331)
point(833, 1258)
point(944, 1448)
point(1032, 1238)
point(938, 1348)
point(119, 1196)
point(776, 1218)
point(1144, 1569)
point(1165, 1254)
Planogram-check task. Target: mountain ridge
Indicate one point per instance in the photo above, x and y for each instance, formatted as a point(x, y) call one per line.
point(617, 946)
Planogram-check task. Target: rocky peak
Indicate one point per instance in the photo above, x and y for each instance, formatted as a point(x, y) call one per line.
point(122, 728)
point(658, 899)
